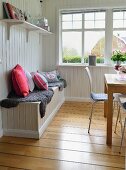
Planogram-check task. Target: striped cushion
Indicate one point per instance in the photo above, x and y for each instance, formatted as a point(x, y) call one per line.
point(40, 81)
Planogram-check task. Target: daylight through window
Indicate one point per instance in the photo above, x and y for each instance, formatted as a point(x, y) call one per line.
point(84, 33)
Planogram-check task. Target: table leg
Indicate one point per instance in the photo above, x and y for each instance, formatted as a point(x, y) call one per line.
point(109, 118)
point(106, 102)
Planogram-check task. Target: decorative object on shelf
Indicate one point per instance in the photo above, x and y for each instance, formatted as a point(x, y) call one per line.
point(6, 13)
point(27, 17)
point(12, 12)
point(42, 22)
point(118, 57)
point(92, 60)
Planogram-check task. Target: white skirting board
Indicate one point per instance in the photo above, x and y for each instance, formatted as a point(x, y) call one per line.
point(21, 133)
point(77, 99)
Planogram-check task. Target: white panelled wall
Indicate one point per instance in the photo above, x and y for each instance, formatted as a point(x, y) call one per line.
point(78, 83)
point(17, 49)
point(77, 88)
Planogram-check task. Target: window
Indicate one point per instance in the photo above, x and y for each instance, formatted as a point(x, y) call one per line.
point(94, 35)
point(92, 32)
point(83, 33)
point(119, 30)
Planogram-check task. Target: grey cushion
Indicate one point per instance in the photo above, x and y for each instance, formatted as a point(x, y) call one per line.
point(30, 81)
point(99, 96)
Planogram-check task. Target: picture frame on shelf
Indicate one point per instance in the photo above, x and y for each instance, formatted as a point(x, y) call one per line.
point(12, 12)
point(6, 13)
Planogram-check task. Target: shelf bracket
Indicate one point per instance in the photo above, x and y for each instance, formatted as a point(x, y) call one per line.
point(9, 25)
point(27, 35)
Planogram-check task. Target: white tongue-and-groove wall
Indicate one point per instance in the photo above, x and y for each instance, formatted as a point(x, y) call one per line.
point(17, 49)
point(78, 87)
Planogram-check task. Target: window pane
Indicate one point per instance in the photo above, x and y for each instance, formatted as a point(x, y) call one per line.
point(99, 24)
point(67, 17)
point(118, 15)
point(119, 41)
point(77, 17)
point(89, 16)
point(94, 45)
point(77, 25)
point(71, 44)
point(67, 25)
point(124, 23)
point(118, 24)
point(100, 16)
point(89, 24)
point(124, 15)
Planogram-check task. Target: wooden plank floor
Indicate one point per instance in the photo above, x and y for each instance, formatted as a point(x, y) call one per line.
point(66, 145)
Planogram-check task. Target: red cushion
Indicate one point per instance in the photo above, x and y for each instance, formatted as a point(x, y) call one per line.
point(40, 81)
point(19, 81)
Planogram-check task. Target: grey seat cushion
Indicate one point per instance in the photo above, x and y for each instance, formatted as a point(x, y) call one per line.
point(99, 96)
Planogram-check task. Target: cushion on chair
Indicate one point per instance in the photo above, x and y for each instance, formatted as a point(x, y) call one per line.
point(99, 96)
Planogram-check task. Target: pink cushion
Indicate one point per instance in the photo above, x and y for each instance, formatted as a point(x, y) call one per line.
point(19, 81)
point(40, 81)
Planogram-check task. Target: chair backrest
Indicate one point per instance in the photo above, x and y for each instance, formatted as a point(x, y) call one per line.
point(90, 78)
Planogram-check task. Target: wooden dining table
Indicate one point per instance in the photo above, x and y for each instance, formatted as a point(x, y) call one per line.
point(113, 83)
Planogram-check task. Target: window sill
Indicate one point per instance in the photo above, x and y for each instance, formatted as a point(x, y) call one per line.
point(84, 65)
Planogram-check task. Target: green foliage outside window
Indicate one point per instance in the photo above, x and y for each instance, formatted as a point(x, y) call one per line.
point(77, 59)
point(71, 59)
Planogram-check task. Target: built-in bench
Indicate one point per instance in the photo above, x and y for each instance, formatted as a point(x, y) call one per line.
point(25, 121)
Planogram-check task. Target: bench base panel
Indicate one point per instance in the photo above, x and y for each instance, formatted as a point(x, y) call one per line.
point(25, 121)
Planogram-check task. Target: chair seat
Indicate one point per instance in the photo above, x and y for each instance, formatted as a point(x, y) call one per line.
point(99, 96)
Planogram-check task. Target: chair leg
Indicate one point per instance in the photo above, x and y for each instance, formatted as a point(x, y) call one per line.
point(122, 135)
point(90, 118)
point(115, 105)
point(117, 119)
point(121, 124)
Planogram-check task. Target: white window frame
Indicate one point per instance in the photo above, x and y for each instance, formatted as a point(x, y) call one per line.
point(108, 36)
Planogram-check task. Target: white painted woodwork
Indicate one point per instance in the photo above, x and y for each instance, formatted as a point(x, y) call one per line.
point(51, 11)
point(77, 81)
point(17, 50)
point(28, 27)
point(25, 121)
point(77, 88)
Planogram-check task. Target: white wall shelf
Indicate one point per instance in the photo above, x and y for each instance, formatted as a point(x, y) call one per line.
point(28, 26)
